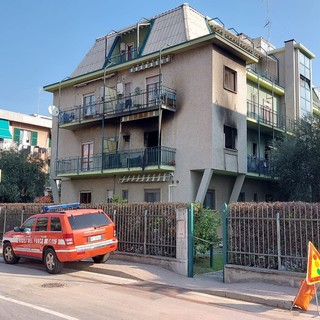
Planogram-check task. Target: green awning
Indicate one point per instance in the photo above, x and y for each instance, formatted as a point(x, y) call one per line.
point(4, 129)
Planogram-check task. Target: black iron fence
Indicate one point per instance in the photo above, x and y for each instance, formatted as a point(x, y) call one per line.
point(272, 235)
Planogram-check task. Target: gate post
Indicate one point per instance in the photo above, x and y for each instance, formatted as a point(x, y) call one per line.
point(190, 241)
point(224, 236)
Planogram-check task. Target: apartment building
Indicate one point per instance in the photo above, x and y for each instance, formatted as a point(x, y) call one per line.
point(28, 133)
point(175, 108)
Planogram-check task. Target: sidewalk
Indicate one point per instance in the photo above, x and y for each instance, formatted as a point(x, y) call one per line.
point(261, 293)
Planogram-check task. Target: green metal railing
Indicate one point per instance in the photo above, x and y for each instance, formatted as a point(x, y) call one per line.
point(121, 105)
point(141, 158)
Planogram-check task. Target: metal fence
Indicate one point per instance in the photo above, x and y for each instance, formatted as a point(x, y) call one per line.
point(148, 228)
point(272, 235)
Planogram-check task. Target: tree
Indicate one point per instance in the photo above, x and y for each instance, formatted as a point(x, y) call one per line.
point(23, 177)
point(295, 162)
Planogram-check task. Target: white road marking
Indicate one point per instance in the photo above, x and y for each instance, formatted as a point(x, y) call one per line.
point(25, 304)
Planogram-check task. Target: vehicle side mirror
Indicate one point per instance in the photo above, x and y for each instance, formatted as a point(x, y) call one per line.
point(16, 229)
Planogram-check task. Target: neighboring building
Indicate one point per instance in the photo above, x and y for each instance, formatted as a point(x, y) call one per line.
point(29, 133)
point(176, 108)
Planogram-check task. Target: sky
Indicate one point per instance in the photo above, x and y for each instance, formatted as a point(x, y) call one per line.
point(43, 41)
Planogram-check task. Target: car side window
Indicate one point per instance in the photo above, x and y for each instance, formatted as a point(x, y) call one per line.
point(27, 226)
point(42, 224)
point(55, 224)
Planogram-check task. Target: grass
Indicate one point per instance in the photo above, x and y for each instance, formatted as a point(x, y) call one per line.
point(202, 263)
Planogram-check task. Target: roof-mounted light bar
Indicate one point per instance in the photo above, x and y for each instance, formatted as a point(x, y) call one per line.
point(58, 207)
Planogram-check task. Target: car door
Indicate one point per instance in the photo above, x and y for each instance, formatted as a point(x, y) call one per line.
point(22, 240)
point(39, 236)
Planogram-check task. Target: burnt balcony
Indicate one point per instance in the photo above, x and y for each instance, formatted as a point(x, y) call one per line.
point(153, 159)
point(120, 105)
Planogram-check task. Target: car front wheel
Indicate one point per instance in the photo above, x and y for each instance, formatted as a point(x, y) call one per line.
point(102, 258)
point(8, 255)
point(51, 262)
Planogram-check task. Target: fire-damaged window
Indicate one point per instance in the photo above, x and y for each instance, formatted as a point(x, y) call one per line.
point(230, 135)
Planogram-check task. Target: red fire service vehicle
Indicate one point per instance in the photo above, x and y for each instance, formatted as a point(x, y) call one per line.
point(60, 234)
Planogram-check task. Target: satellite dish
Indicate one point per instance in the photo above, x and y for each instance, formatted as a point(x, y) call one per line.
point(53, 110)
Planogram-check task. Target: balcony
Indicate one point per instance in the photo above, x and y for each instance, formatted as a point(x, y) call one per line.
point(151, 159)
point(265, 115)
point(260, 166)
point(263, 73)
point(123, 57)
point(119, 106)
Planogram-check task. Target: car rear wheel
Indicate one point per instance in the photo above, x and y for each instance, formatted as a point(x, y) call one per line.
point(8, 255)
point(102, 258)
point(51, 262)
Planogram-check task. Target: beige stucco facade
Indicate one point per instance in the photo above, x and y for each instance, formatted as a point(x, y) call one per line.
point(209, 97)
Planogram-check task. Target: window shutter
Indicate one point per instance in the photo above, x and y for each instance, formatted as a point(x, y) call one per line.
point(16, 135)
point(34, 138)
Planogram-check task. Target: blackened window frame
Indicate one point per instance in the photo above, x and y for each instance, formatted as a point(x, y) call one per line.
point(230, 135)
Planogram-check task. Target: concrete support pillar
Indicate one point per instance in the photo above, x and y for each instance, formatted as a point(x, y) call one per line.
point(237, 188)
point(204, 184)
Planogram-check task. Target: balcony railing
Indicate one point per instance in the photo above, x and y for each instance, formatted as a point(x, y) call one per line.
point(135, 102)
point(140, 159)
point(266, 115)
point(257, 165)
point(263, 73)
point(122, 57)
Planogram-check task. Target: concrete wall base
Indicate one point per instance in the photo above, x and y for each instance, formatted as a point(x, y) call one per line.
point(172, 264)
point(234, 273)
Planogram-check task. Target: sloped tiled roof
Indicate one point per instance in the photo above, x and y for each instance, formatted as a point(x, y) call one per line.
point(172, 27)
point(95, 58)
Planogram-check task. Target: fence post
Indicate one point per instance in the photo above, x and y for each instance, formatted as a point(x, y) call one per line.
point(224, 236)
point(145, 233)
point(190, 241)
point(211, 254)
point(4, 221)
point(278, 241)
point(22, 214)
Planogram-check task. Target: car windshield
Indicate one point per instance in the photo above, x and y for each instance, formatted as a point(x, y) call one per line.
point(96, 219)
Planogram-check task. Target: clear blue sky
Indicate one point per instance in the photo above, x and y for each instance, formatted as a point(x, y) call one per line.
point(42, 41)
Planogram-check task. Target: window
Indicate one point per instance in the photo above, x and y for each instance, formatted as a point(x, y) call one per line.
point(130, 51)
point(88, 103)
point(85, 197)
point(28, 224)
point(42, 224)
point(230, 135)
point(210, 200)
point(25, 137)
point(125, 194)
point(242, 197)
point(55, 224)
point(305, 96)
point(304, 63)
point(255, 197)
point(82, 221)
point(230, 79)
point(87, 156)
point(109, 196)
point(152, 195)
point(152, 89)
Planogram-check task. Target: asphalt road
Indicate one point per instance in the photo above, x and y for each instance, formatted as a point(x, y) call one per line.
point(28, 292)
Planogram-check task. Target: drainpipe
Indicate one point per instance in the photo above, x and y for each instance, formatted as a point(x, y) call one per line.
point(159, 103)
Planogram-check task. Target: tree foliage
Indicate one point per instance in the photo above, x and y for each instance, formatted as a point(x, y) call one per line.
point(23, 177)
point(206, 225)
point(295, 162)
